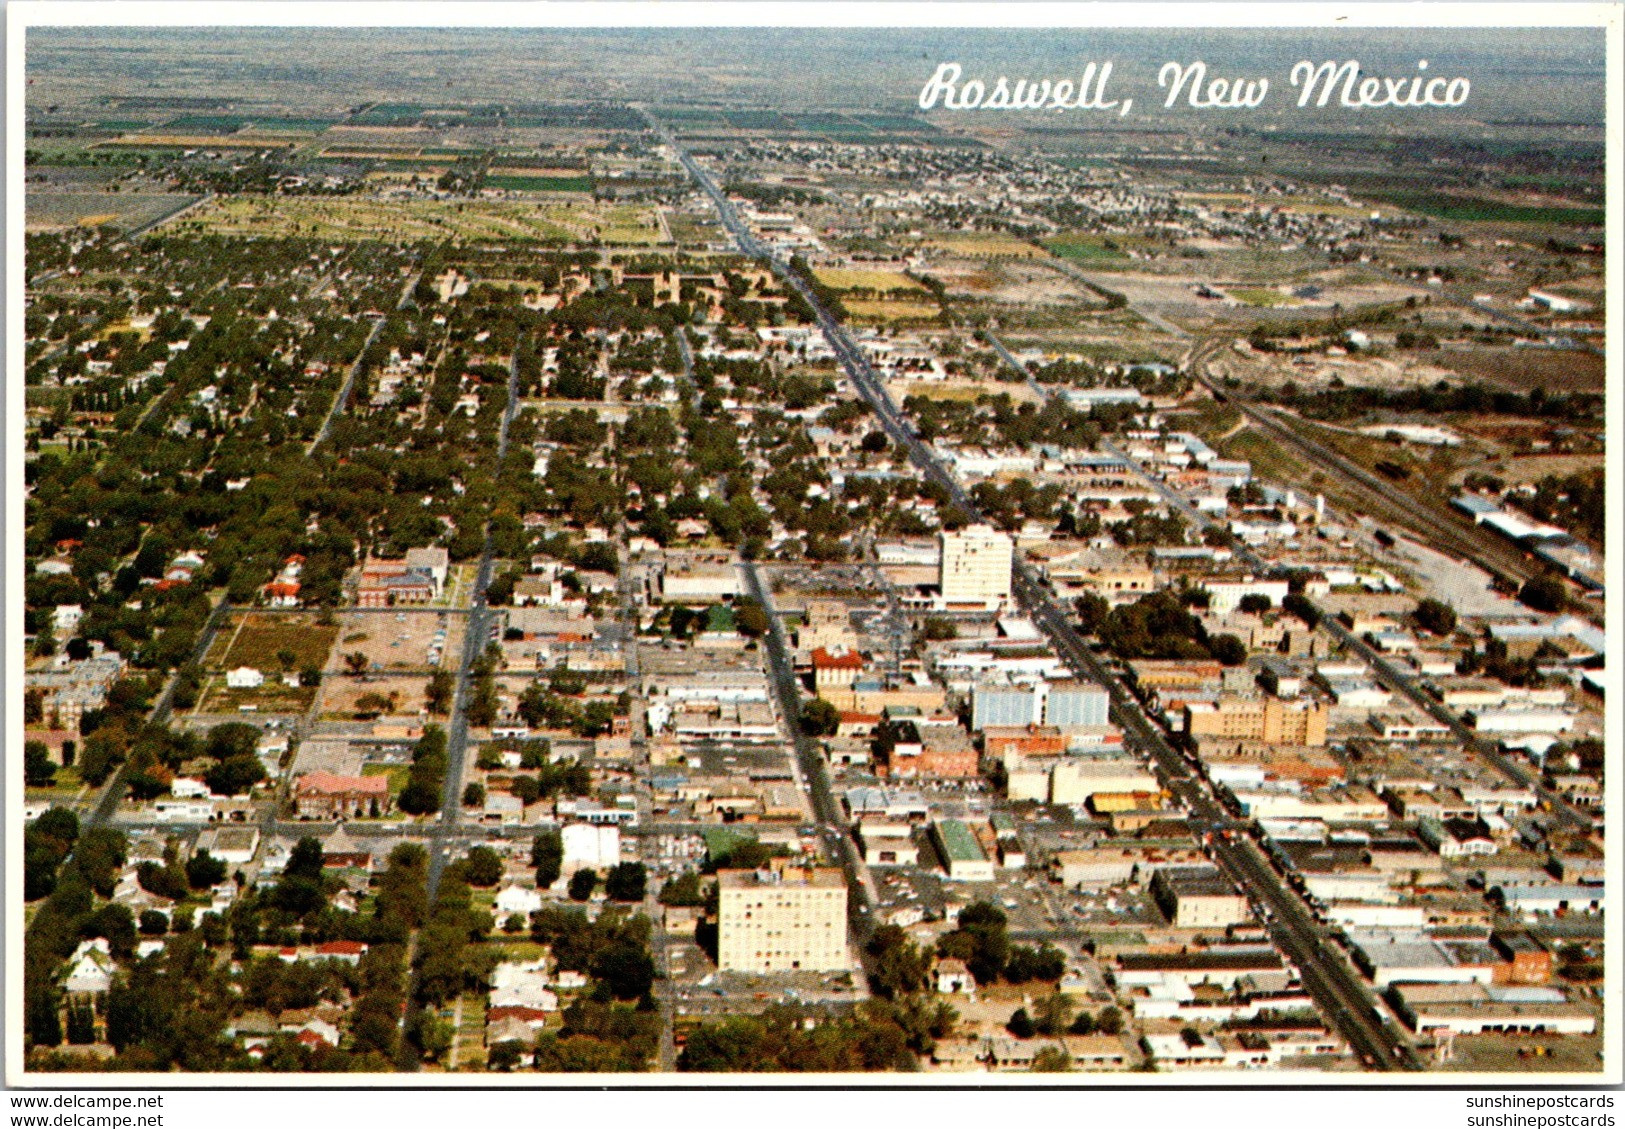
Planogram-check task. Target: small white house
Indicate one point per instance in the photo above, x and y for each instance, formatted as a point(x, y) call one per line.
point(953, 978)
point(188, 788)
point(518, 899)
point(65, 620)
point(90, 969)
point(244, 678)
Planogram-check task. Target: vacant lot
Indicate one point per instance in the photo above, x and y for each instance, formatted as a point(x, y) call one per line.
point(883, 310)
point(1524, 369)
point(342, 695)
point(399, 640)
point(259, 640)
point(272, 697)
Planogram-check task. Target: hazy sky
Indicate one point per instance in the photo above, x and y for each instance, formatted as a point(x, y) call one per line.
point(1515, 74)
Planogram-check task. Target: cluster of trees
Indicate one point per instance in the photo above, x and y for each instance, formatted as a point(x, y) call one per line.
point(1016, 502)
point(687, 889)
point(1156, 626)
point(981, 939)
point(482, 697)
point(1148, 527)
point(879, 1035)
point(1435, 616)
point(1471, 398)
point(445, 963)
point(597, 1037)
point(1544, 594)
point(1577, 502)
point(1494, 660)
point(1053, 1015)
point(542, 780)
point(612, 948)
point(544, 707)
point(425, 784)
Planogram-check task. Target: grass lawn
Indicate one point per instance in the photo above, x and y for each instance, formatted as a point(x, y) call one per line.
point(1086, 250)
point(513, 182)
point(1260, 296)
point(398, 775)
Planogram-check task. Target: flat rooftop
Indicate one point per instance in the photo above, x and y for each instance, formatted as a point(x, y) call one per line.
point(822, 876)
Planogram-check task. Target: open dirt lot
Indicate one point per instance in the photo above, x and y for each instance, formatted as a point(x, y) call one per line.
point(399, 640)
point(341, 692)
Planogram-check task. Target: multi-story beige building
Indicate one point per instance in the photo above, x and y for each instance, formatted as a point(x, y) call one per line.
point(782, 920)
point(976, 563)
point(1269, 720)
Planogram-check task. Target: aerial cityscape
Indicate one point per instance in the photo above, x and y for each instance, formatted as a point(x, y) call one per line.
point(718, 550)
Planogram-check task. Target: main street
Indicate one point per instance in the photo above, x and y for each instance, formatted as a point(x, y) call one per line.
point(810, 764)
point(475, 638)
point(1339, 991)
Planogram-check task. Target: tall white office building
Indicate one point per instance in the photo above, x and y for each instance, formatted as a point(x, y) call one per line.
point(976, 564)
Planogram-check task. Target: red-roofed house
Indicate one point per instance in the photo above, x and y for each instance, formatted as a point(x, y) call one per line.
point(350, 952)
point(324, 795)
point(857, 724)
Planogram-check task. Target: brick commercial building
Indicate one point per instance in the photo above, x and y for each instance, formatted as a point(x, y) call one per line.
point(1267, 720)
point(782, 920)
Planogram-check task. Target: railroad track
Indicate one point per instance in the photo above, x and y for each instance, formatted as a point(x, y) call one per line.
point(1434, 526)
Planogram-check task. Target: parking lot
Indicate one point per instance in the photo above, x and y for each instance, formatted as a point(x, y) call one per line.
point(405, 640)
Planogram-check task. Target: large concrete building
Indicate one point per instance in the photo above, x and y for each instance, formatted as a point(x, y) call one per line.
point(976, 564)
point(1198, 897)
point(1081, 704)
point(782, 920)
point(1267, 720)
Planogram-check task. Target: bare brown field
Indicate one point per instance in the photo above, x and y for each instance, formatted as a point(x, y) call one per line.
point(1523, 369)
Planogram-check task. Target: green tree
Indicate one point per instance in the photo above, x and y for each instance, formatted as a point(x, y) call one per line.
point(1544, 594)
point(625, 969)
point(819, 718)
point(899, 966)
point(1051, 1060)
point(482, 867)
point(1435, 617)
point(625, 882)
point(582, 883)
point(438, 695)
point(547, 856)
point(38, 771)
point(684, 890)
